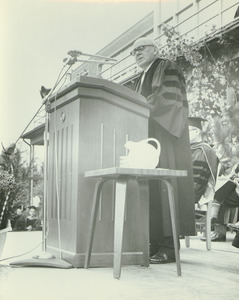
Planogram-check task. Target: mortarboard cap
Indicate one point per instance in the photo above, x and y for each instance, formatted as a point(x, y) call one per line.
point(196, 122)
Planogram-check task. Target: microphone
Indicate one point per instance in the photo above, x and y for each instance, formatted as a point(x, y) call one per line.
point(70, 61)
point(74, 53)
point(44, 91)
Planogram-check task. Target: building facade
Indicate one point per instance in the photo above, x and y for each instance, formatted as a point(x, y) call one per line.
point(201, 19)
point(194, 18)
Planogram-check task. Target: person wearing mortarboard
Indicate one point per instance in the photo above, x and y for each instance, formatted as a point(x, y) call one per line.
point(226, 199)
point(5, 158)
point(18, 219)
point(205, 163)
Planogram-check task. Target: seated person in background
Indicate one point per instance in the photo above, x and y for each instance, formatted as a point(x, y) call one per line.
point(226, 196)
point(235, 242)
point(205, 164)
point(18, 220)
point(32, 222)
point(235, 226)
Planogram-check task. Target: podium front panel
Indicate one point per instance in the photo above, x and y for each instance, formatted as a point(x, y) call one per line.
point(87, 134)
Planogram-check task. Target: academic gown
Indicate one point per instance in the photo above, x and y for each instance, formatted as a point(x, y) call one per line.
point(164, 88)
point(205, 166)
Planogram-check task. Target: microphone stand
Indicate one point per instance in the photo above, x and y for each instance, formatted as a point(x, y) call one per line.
point(96, 61)
point(49, 260)
point(46, 259)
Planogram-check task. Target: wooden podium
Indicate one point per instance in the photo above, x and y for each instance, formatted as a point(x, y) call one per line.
point(90, 121)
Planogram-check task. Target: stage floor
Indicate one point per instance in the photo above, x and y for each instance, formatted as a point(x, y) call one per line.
point(205, 275)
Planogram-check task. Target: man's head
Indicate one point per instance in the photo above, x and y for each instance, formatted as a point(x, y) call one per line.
point(10, 149)
point(195, 129)
point(145, 51)
point(195, 134)
point(32, 211)
point(19, 211)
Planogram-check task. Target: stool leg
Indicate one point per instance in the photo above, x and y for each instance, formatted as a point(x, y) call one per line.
point(94, 211)
point(208, 225)
point(144, 208)
point(187, 241)
point(174, 225)
point(120, 199)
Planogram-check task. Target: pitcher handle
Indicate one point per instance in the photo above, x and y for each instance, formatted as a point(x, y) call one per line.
point(154, 140)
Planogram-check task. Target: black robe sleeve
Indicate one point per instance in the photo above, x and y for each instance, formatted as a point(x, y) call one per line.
point(168, 98)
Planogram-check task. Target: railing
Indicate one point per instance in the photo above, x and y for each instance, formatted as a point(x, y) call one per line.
point(205, 15)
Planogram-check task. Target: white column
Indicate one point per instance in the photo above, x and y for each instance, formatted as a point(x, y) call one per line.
point(220, 13)
point(196, 8)
point(157, 19)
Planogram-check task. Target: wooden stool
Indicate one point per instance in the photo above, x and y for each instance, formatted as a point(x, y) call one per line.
point(122, 176)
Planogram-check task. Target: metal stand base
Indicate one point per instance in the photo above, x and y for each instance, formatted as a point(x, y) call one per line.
point(42, 260)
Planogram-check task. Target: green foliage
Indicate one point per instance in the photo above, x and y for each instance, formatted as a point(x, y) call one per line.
point(7, 181)
point(21, 171)
point(209, 78)
point(205, 77)
point(180, 47)
point(18, 183)
point(7, 185)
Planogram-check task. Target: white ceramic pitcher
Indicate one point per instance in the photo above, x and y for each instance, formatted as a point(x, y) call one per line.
point(142, 154)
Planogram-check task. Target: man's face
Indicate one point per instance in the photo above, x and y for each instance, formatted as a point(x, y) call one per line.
point(144, 55)
point(32, 212)
point(194, 134)
point(19, 211)
point(10, 150)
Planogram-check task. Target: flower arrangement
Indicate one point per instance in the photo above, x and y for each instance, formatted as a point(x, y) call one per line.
point(7, 184)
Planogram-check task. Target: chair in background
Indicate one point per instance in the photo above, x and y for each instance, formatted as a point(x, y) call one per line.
point(203, 218)
point(203, 224)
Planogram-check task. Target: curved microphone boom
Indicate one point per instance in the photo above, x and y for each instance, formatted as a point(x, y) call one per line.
point(76, 53)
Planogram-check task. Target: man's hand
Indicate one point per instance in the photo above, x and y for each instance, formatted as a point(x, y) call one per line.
point(236, 181)
point(234, 172)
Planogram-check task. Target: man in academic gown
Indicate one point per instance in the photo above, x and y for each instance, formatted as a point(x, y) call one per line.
point(205, 163)
point(163, 85)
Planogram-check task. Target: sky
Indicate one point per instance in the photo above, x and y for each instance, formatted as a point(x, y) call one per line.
point(35, 37)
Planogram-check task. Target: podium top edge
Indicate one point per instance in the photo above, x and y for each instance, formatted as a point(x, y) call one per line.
point(104, 84)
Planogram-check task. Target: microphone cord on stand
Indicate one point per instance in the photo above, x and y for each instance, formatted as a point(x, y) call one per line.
point(45, 99)
point(57, 179)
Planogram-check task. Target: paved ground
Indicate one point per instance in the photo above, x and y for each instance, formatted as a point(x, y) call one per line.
point(205, 275)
